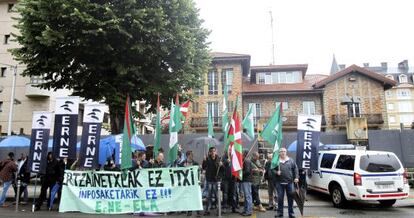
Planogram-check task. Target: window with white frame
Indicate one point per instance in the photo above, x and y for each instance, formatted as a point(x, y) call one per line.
point(227, 79)
point(261, 78)
point(391, 119)
point(257, 112)
point(403, 78)
point(6, 39)
point(403, 93)
point(390, 106)
point(212, 82)
point(36, 79)
point(212, 108)
point(279, 77)
point(405, 106)
point(406, 118)
point(309, 107)
point(285, 105)
point(1, 106)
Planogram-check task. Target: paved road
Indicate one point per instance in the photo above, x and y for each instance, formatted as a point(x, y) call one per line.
point(317, 206)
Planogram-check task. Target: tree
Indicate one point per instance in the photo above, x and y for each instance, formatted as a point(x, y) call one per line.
point(104, 49)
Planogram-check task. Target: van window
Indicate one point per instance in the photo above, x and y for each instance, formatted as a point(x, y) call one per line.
point(346, 162)
point(379, 163)
point(327, 160)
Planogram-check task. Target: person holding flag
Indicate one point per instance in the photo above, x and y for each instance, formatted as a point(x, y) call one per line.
point(283, 168)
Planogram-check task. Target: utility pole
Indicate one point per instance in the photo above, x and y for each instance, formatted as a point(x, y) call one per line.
point(9, 126)
point(273, 43)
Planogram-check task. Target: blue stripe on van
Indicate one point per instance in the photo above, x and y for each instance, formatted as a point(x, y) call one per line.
point(331, 172)
point(383, 174)
point(363, 175)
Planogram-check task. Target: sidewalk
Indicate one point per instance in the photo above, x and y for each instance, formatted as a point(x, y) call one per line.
point(314, 199)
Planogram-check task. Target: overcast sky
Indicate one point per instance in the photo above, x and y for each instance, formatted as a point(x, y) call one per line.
point(311, 31)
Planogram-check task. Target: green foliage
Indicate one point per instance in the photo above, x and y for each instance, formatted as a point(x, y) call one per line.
point(104, 49)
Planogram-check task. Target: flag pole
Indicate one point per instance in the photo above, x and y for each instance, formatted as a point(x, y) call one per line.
point(34, 195)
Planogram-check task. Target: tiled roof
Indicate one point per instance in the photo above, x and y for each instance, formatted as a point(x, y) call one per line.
point(227, 55)
point(354, 68)
point(306, 86)
point(280, 67)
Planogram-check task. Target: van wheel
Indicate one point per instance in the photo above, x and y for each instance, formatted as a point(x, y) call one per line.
point(338, 197)
point(387, 203)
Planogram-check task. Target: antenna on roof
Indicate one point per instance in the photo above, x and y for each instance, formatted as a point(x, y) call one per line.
point(273, 43)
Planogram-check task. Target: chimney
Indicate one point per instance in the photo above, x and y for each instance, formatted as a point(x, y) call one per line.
point(341, 66)
point(403, 65)
point(384, 66)
point(366, 64)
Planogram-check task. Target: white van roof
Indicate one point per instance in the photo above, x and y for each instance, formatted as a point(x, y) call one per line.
point(355, 152)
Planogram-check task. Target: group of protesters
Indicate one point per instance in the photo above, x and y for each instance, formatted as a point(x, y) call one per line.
point(280, 180)
point(216, 170)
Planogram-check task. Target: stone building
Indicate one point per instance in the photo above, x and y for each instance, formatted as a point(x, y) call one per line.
point(362, 86)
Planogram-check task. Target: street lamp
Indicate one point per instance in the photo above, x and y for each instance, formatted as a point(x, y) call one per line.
point(9, 125)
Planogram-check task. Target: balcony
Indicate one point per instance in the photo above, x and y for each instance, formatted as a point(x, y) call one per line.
point(33, 91)
point(289, 122)
point(202, 122)
point(372, 119)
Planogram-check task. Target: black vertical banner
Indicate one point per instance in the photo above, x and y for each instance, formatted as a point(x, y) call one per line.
point(91, 134)
point(307, 147)
point(39, 141)
point(65, 128)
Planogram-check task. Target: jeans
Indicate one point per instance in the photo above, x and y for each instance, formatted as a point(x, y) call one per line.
point(281, 188)
point(23, 190)
point(255, 195)
point(212, 191)
point(271, 191)
point(6, 186)
point(227, 186)
point(235, 202)
point(247, 192)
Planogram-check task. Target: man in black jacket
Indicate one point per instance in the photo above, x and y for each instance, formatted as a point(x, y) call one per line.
point(246, 185)
point(285, 175)
point(211, 165)
point(48, 180)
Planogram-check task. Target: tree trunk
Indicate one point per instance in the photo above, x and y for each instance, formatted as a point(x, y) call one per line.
point(117, 119)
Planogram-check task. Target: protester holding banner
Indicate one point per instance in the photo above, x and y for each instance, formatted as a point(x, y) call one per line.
point(286, 173)
point(189, 161)
point(24, 176)
point(257, 174)
point(246, 185)
point(211, 166)
point(48, 180)
point(158, 162)
point(141, 162)
point(268, 176)
point(7, 169)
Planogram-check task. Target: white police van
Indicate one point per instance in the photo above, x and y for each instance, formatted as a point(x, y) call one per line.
point(359, 175)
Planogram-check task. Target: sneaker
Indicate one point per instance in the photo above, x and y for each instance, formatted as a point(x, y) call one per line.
point(292, 216)
point(23, 203)
point(261, 208)
point(246, 214)
point(269, 208)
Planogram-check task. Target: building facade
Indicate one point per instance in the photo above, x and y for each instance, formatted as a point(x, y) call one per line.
point(288, 85)
point(27, 97)
point(227, 69)
point(363, 87)
point(400, 98)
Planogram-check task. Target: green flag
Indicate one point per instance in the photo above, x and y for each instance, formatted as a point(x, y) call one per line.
point(248, 122)
point(225, 120)
point(272, 133)
point(210, 128)
point(129, 131)
point(157, 134)
point(174, 127)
